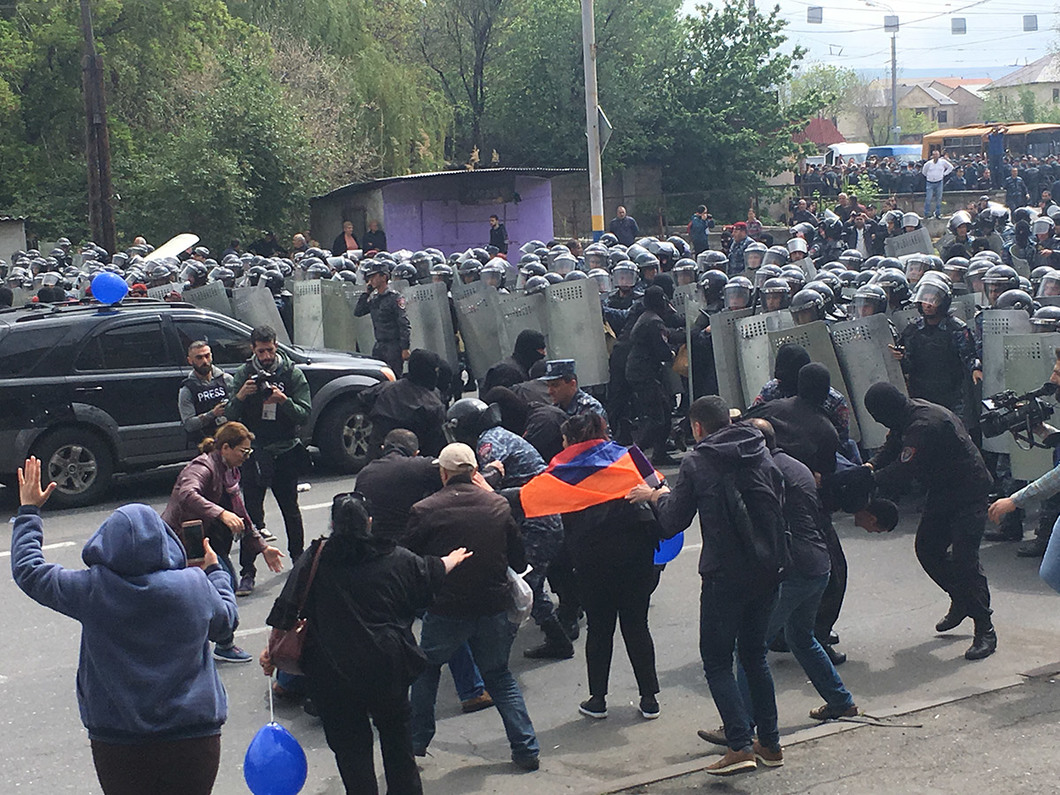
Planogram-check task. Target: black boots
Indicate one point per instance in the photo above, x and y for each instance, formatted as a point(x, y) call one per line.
point(557, 645)
point(951, 620)
point(984, 643)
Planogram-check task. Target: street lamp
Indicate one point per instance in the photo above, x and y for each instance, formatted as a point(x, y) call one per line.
point(890, 25)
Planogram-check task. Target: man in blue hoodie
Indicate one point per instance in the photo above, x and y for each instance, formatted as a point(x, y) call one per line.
point(731, 480)
point(147, 688)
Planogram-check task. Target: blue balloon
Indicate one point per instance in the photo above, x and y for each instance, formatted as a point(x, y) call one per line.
point(669, 548)
point(109, 288)
point(275, 763)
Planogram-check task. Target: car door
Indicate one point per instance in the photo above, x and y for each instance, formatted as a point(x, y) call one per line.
point(126, 370)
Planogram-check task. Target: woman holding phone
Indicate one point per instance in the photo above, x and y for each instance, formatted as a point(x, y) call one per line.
point(147, 689)
point(208, 490)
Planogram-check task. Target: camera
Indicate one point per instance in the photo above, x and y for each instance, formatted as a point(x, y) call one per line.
point(261, 381)
point(1019, 414)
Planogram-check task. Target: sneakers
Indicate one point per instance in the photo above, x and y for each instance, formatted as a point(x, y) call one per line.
point(828, 712)
point(233, 654)
point(595, 707)
point(717, 736)
point(483, 701)
point(733, 762)
point(246, 586)
point(1035, 548)
point(268, 537)
point(768, 756)
point(649, 707)
point(953, 618)
point(528, 763)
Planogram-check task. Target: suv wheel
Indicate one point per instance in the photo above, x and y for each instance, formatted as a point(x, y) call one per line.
point(79, 461)
point(343, 434)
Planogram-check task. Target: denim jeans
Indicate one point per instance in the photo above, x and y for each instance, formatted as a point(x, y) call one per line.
point(932, 196)
point(733, 620)
point(795, 612)
point(1050, 569)
point(465, 673)
point(490, 639)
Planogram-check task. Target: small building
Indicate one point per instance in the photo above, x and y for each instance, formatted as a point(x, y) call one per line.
point(448, 210)
point(12, 236)
point(1041, 78)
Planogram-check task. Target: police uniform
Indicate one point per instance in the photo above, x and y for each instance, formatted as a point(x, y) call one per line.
point(389, 323)
point(583, 403)
point(929, 442)
point(938, 360)
point(196, 401)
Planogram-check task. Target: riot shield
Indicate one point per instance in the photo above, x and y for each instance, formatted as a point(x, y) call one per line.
point(517, 312)
point(723, 338)
point(755, 351)
point(212, 296)
point(997, 323)
point(1028, 359)
point(308, 314)
point(861, 347)
point(255, 307)
point(427, 308)
point(817, 341)
point(916, 242)
point(970, 302)
point(161, 291)
point(478, 316)
point(20, 297)
point(1021, 266)
point(903, 317)
point(337, 300)
point(576, 328)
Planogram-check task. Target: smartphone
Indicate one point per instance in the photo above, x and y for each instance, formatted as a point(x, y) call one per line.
point(192, 534)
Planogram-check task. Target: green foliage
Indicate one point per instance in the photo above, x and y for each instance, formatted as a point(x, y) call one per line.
point(724, 122)
point(835, 86)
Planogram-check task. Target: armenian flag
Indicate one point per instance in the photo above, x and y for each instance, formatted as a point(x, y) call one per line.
point(586, 474)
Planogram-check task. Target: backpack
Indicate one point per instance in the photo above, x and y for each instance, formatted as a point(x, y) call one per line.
point(761, 534)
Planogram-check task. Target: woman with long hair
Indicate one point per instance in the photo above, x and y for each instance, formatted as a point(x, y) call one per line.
point(360, 655)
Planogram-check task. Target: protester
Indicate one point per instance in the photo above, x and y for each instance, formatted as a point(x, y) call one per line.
point(147, 688)
point(361, 656)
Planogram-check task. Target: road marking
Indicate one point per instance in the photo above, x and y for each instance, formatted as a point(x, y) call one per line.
point(57, 545)
point(243, 633)
point(315, 506)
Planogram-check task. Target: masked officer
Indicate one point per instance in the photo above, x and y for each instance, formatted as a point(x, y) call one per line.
point(929, 442)
point(387, 308)
point(204, 394)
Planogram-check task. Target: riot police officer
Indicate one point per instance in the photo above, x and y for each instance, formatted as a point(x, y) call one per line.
point(387, 308)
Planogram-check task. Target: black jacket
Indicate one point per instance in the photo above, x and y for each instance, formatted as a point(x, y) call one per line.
point(802, 509)
point(615, 539)
point(464, 515)
point(803, 431)
point(738, 449)
point(404, 404)
point(393, 484)
point(649, 351)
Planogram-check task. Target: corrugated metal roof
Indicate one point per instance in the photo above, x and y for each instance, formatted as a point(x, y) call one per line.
point(378, 183)
point(12, 218)
point(1045, 70)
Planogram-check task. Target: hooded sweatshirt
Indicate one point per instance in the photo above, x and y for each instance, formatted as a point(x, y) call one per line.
point(739, 449)
point(145, 672)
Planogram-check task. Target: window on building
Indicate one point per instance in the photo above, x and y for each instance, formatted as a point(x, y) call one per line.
point(1056, 95)
point(942, 117)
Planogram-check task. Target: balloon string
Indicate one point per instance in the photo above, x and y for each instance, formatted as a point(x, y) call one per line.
point(272, 716)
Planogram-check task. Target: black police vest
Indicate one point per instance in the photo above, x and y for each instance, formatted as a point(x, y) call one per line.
point(938, 373)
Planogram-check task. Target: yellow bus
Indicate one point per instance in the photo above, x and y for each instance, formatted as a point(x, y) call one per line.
point(1039, 140)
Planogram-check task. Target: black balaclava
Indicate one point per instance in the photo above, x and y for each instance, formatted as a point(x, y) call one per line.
point(814, 382)
point(655, 299)
point(791, 357)
point(528, 346)
point(887, 405)
point(423, 368)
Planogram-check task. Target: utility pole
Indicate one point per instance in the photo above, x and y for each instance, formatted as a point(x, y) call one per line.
point(97, 138)
point(592, 119)
point(894, 88)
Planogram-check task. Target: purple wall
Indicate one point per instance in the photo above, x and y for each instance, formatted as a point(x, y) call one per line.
point(419, 215)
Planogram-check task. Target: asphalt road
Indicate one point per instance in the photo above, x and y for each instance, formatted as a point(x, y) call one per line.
point(897, 665)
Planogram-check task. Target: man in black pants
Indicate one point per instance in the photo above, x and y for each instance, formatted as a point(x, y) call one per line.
point(272, 401)
point(929, 442)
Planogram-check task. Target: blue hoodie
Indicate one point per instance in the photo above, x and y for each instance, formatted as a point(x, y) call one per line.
point(145, 671)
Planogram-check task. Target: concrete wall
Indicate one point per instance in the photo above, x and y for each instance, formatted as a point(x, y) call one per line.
point(1043, 93)
point(12, 238)
point(638, 189)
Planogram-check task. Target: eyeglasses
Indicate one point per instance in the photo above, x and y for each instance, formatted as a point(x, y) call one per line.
point(246, 451)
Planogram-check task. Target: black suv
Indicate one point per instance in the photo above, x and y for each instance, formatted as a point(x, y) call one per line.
point(92, 390)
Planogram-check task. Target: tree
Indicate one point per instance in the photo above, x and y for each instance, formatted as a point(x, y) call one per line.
point(725, 126)
point(837, 87)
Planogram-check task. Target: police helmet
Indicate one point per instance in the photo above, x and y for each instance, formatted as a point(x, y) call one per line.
point(223, 275)
point(596, 256)
point(737, 292)
point(807, 306)
point(564, 263)
point(441, 272)
point(685, 271)
point(797, 244)
point(370, 267)
point(794, 276)
point(711, 259)
point(959, 218)
point(824, 290)
point(481, 255)
point(851, 259)
point(573, 276)
point(869, 299)
point(774, 289)
point(1016, 299)
point(934, 292)
point(1043, 226)
point(1048, 283)
point(712, 283)
point(775, 255)
point(535, 268)
point(999, 279)
point(468, 270)
point(1045, 319)
point(955, 268)
point(536, 284)
point(910, 219)
point(625, 274)
point(406, 271)
point(753, 254)
point(602, 278)
point(608, 239)
point(552, 277)
point(763, 274)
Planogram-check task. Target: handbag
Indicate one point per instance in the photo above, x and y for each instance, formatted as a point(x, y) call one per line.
point(680, 364)
point(286, 645)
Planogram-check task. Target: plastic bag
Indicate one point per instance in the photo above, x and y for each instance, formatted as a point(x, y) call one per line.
point(521, 597)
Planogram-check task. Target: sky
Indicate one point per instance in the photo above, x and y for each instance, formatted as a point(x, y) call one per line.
point(851, 35)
